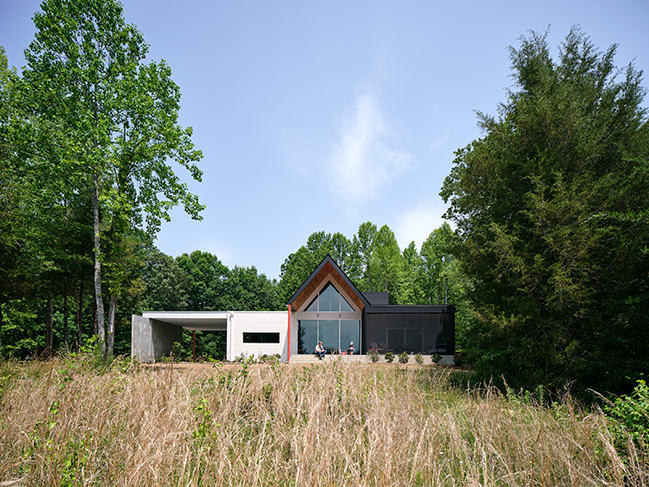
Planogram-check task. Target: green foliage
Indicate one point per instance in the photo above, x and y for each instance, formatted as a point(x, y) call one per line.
point(165, 284)
point(298, 266)
point(373, 354)
point(630, 416)
point(419, 358)
point(435, 358)
point(101, 128)
point(210, 345)
point(270, 359)
point(550, 207)
point(211, 286)
point(404, 358)
point(178, 351)
point(389, 357)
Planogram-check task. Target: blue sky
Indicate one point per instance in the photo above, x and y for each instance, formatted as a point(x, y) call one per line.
point(319, 116)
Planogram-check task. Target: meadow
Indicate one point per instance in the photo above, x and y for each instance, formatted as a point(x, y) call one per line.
point(67, 422)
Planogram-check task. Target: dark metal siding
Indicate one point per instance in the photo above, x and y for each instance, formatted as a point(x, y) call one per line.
point(410, 331)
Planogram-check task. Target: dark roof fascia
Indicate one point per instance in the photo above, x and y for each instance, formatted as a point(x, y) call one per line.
point(329, 259)
point(410, 309)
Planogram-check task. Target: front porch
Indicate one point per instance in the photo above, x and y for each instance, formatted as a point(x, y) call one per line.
point(362, 359)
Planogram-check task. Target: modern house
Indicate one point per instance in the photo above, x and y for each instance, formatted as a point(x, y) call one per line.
point(327, 307)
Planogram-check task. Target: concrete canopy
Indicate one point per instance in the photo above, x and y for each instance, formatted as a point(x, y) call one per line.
point(192, 320)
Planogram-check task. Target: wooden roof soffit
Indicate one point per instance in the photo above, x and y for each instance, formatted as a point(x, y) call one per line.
point(326, 271)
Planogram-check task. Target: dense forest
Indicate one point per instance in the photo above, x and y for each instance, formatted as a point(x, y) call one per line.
point(548, 264)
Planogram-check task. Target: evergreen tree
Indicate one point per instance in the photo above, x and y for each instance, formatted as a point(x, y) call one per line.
point(551, 211)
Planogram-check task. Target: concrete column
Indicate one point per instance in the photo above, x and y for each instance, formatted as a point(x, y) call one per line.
point(141, 339)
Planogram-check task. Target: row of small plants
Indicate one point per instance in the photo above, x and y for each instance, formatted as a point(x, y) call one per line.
point(403, 357)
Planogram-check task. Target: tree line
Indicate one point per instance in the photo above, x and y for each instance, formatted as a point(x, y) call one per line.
point(548, 264)
point(88, 136)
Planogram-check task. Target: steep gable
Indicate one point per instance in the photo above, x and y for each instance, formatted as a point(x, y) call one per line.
point(325, 270)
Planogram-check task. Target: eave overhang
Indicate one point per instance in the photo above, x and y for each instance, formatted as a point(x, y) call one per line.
point(327, 269)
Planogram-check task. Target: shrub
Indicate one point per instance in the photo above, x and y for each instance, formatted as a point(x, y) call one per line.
point(630, 415)
point(435, 358)
point(389, 357)
point(373, 354)
point(270, 359)
point(419, 358)
point(404, 358)
point(177, 351)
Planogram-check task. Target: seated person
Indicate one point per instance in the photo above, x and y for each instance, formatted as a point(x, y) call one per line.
point(319, 350)
point(350, 349)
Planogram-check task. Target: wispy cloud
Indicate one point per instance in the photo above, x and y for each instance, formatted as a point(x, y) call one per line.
point(363, 161)
point(417, 224)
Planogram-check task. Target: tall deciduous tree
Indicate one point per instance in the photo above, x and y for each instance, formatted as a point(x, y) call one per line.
point(116, 120)
point(551, 208)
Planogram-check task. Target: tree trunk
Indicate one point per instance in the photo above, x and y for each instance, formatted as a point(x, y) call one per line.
point(49, 335)
point(101, 330)
point(65, 313)
point(79, 316)
point(110, 338)
point(1, 323)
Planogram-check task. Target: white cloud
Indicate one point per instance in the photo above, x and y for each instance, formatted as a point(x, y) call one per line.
point(363, 162)
point(417, 224)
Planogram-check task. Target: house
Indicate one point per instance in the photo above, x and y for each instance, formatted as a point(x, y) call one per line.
point(327, 307)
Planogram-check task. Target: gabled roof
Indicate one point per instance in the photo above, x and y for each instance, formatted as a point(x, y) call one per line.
point(326, 268)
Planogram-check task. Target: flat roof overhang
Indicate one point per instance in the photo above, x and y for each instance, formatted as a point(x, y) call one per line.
point(192, 320)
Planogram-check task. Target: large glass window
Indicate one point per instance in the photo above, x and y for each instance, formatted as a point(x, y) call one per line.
point(329, 335)
point(344, 305)
point(307, 336)
point(335, 335)
point(350, 331)
point(329, 299)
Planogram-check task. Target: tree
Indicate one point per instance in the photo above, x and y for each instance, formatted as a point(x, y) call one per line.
point(165, 283)
point(116, 120)
point(10, 215)
point(249, 291)
point(386, 265)
point(298, 266)
point(436, 264)
point(206, 281)
point(411, 290)
point(551, 211)
point(363, 243)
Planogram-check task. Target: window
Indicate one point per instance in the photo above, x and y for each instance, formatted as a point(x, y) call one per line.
point(261, 338)
point(335, 335)
point(329, 299)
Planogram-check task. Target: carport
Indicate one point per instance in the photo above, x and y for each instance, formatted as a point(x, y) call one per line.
point(247, 332)
point(154, 333)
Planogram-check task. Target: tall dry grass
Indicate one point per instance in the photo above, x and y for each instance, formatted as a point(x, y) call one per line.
point(338, 424)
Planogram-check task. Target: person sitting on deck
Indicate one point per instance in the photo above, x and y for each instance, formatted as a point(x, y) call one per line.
point(319, 350)
point(350, 349)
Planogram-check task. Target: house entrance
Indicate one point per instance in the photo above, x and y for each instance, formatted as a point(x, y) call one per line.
point(335, 335)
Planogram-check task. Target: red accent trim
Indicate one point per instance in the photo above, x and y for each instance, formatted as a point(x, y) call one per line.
point(288, 349)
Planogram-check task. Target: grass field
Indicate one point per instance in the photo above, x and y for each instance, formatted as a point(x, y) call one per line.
point(63, 422)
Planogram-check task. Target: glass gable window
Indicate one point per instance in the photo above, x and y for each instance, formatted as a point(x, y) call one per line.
point(329, 299)
point(344, 305)
point(313, 306)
